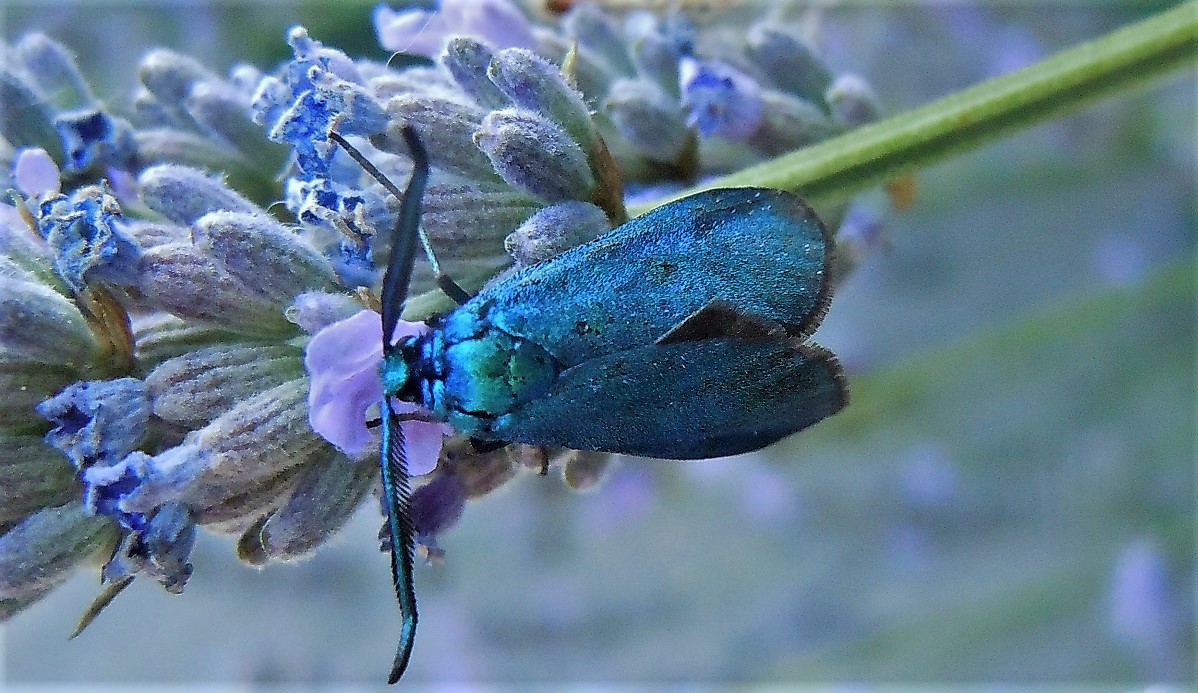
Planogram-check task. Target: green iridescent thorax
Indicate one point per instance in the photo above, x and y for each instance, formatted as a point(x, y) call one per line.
point(395, 372)
point(493, 372)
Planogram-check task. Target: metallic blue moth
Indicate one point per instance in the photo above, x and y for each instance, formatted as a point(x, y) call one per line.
point(678, 335)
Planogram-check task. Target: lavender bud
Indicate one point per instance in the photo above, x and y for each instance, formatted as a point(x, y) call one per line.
point(315, 310)
point(788, 123)
point(169, 145)
point(170, 76)
point(184, 194)
point(259, 438)
point(722, 101)
point(160, 336)
point(199, 386)
point(534, 154)
point(853, 102)
point(26, 119)
point(39, 324)
point(263, 255)
point(656, 58)
point(468, 61)
point(537, 85)
point(584, 470)
point(480, 474)
point(40, 551)
point(33, 475)
point(54, 70)
point(471, 218)
point(225, 112)
point(325, 496)
point(181, 280)
point(97, 421)
point(555, 229)
point(649, 120)
point(444, 127)
point(591, 27)
point(30, 255)
point(25, 384)
point(234, 511)
point(147, 234)
point(148, 111)
point(789, 63)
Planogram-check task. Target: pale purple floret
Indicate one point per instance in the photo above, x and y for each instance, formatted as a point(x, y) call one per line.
point(344, 361)
point(498, 23)
point(720, 101)
point(35, 173)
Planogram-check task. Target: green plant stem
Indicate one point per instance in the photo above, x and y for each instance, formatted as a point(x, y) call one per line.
point(834, 170)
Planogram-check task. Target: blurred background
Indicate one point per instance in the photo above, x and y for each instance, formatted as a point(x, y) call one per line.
point(1008, 498)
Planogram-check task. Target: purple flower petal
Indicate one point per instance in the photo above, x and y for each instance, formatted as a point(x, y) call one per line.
point(35, 173)
point(343, 361)
point(498, 23)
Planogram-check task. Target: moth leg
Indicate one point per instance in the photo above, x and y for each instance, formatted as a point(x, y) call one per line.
point(481, 446)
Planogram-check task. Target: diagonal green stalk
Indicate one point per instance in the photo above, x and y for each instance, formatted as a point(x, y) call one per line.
point(834, 170)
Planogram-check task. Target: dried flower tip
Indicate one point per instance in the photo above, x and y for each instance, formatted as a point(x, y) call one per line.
point(535, 155)
point(93, 137)
point(468, 61)
point(789, 63)
point(98, 421)
point(86, 236)
point(853, 102)
point(199, 386)
point(40, 551)
point(184, 194)
point(38, 324)
point(535, 84)
point(722, 101)
point(160, 551)
point(35, 173)
point(648, 119)
point(263, 255)
point(555, 229)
